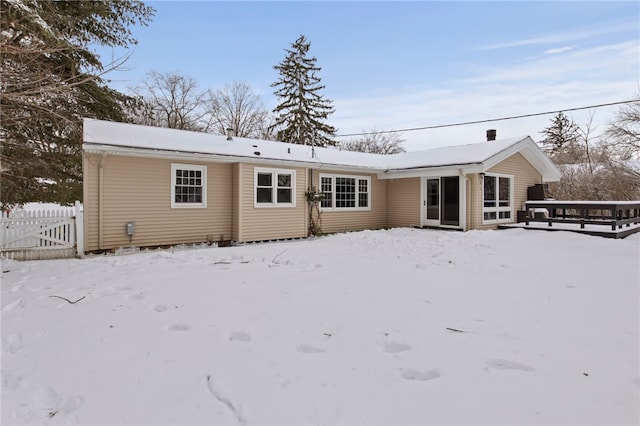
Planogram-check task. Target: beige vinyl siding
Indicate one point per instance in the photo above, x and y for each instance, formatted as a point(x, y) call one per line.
point(524, 176)
point(235, 202)
point(356, 220)
point(138, 190)
point(267, 223)
point(469, 194)
point(90, 166)
point(474, 201)
point(403, 199)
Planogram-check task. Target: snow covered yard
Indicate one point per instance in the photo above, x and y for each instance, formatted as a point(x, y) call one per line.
point(394, 327)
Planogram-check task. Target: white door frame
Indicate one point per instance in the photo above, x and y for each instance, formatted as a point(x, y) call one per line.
point(462, 202)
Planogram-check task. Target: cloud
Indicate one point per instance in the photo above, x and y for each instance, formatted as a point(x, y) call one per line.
point(582, 77)
point(558, 50)
point(567, 36)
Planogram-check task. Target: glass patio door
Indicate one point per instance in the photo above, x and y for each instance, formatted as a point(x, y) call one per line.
point(442, 201)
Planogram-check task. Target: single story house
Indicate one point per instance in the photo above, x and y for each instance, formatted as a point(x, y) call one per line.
point(151, 186)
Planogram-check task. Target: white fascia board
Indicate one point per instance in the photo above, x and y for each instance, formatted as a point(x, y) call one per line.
point(194, 156)
point(452, 170)
point(533, 154)
point(506, 153)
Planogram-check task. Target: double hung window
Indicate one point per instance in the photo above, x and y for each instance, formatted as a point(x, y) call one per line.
point(274, 187)
point(188, 186)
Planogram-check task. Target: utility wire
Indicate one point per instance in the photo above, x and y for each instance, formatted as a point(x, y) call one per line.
point(439, 126)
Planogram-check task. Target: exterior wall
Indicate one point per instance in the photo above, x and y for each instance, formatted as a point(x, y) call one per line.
point(138, 190)
point(235, 202)
point(403, 202)
point(90, 168)
point(268, 223)
point(524, 175)
point(469, 200)
point(356, 220)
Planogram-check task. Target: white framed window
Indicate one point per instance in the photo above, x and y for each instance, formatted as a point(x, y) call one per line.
point(188, 186)
point(274, 187)
point(344, 192)
point(497, 198)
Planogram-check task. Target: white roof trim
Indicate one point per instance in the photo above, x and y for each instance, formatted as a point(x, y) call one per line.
point(136, 140)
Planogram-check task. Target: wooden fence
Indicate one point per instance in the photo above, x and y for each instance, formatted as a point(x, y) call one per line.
point(42, 234)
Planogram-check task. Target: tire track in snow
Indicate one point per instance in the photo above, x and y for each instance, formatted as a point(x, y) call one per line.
point(227, 401)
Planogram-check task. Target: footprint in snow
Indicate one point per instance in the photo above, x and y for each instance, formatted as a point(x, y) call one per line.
point(179, 327)
point(419, 375)
point(310, 349)
point(48, 403)
point(395, 347)
point(17, 304)
point(136, 296)
point(10, 381)
point(503, 364)
point(160, 308)
point(239, 336)
point(12, 343)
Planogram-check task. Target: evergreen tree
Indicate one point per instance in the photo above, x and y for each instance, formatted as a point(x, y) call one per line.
point(302, 109)
point(50, 80)
point(562, 139)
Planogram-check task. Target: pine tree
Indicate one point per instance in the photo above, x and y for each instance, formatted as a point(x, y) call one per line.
point(51, 79)
point(562, 139)
point(302, 109)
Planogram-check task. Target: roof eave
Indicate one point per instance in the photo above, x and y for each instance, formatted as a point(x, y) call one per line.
point(96, 148)
point(453, 169)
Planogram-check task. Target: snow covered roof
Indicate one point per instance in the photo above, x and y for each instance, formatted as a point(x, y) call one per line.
point(132, 139)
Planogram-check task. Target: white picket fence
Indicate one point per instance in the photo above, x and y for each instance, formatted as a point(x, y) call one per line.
point(42, 234)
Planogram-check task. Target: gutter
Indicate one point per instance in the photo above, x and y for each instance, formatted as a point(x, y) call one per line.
point(201, 156)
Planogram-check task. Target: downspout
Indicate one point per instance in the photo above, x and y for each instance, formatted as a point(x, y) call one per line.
point(101, 200)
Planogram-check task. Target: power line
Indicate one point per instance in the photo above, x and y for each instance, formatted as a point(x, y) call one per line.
point(439, 126)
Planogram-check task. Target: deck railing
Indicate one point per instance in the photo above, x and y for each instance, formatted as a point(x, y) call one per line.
point(612, 213)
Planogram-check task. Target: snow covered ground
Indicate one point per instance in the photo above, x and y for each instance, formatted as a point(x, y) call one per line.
point(398, 327)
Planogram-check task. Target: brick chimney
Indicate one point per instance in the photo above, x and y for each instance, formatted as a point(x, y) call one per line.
point(491, 135)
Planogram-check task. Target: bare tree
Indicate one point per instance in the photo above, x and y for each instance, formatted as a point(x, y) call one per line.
point(238, 108)
point(592, 167)
point(172, 100)
point(376, 143)
point(624, 132)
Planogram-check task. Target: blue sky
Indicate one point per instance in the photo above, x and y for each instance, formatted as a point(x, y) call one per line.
point(398, 65)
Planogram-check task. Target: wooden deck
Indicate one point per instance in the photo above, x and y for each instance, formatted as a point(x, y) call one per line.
point(610, 219)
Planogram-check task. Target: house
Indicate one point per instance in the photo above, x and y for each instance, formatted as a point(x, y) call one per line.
point(150, 186)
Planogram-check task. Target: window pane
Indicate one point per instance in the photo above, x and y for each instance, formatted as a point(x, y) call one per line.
point(504, 191)
point(284, 180)
point(345, 192)
point(363, 200)
point(504, 215)
point(264, 195)
point(490, 216)
point(264, 179)
point(284, 195)
point(363, 193)
point(489, 191)
point(326, 188)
